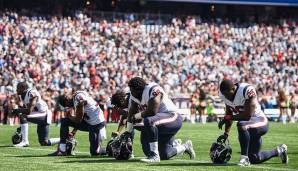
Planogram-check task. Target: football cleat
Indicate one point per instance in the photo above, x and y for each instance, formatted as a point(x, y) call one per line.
point(22, 144)
point(151, 159)
point(189, 149)
point(244, 161)
point(177, 142)
point(283, 153)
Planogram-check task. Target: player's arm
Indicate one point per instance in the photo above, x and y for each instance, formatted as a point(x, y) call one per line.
point(224, 121)
point(228, 124)
point(121, 125)
point(28, 109)
point(133, 109)
point(249, 108)
point(152, 108)
point(79, 112)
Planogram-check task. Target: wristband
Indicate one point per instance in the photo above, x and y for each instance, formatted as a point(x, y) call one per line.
point(228, 117)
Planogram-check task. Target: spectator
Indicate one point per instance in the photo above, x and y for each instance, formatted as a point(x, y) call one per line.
point(293, 106)
point(100, 55)
point(283, 104)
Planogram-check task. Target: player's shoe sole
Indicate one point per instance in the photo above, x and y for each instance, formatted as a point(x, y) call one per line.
point(244, 162)
point(21, 145)
point(189, 149)
point(177, 142)
point(283, 153)
point(153, 159)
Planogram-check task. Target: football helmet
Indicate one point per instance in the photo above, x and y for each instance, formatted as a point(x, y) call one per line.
point(71, 144)
point(17, 136)
point(220, 152)
point(120, 147)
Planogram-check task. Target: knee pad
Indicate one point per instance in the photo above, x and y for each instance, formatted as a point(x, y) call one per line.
point(94, 152)
point(164, 156)
point(44, 143)
point(254, 158)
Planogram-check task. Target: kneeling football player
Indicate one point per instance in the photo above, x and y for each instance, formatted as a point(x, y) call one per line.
point(242, 106)
point(87, 117)
point(161, 121)
point(36, 111)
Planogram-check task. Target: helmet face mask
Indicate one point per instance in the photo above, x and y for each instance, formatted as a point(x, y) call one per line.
point(17, 136)
point(71, 144)
point(220, 153)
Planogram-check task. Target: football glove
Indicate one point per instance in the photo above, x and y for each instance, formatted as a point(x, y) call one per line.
point(16, 111)
point(222, 138)
point(227, 118)
point(221, 123)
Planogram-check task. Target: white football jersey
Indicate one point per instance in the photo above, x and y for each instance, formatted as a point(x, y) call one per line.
point(41, 105)
point(244, 91)
point(93, 113)
point(152, 90)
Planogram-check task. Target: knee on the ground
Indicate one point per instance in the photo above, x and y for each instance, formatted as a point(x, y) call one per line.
point(44, 143)
point(164, 155)
point(254, 158)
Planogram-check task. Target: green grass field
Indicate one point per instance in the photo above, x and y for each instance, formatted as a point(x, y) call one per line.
point(35, 157)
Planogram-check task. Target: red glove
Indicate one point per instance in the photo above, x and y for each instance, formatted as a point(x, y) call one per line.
point(228, 117)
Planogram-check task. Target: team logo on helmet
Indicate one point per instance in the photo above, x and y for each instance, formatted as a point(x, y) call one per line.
point(120, 147)
point(17, 136)
point(220, 153)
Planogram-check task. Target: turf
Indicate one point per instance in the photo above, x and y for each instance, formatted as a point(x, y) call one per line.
point(35, 157)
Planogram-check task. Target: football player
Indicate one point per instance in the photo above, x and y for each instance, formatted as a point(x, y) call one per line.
point(242, 106)
point(148, 102)
point(36, 111)
point(120, 102)
point(87, 117)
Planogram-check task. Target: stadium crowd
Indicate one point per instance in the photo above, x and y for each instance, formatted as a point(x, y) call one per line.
point(59, 53)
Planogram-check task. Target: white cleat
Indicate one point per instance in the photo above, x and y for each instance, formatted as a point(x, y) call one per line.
point(189, 149)
point(283, 153)
point(22, 144)
point(244, 161)
point(177, 142)
point(152, 159)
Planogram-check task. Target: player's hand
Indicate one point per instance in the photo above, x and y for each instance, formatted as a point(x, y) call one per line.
point(227, 118)
point(115, 134)
point(15, 111)
point(221, 123)
point(71, 134)
point(222, 138)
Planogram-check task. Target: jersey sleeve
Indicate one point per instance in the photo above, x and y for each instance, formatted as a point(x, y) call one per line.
point(33, 94)
point(155, 92)
point(250, 92)
point(80, 97)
